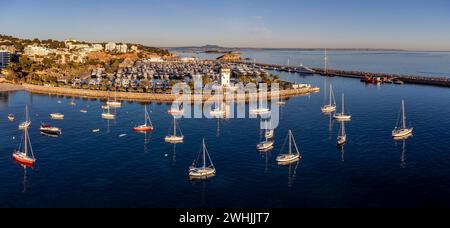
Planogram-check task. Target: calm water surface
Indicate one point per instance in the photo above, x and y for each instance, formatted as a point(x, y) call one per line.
point(435, 64)
point(84, 169)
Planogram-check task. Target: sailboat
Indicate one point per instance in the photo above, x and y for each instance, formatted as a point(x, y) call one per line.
point(148, 126)
point(342, 138)
point(265, 145)
point(176, 112)
point(72, 102)
point(11, 117)
point(27, 122)
point(57, 116)
point(108, 115)
point(115, 103)
point(174, 138)
point(25, 157)
point(331, 107)
point(270, 133)
point(292, 156)
point(403, 131)
point(342, 116)
point(218, 111)
point(203, 171)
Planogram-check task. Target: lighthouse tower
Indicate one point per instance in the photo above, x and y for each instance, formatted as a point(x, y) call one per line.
point(225, 77)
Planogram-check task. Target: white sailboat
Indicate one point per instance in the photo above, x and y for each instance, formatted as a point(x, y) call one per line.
point(402, 131)
point(108, 115)
point(27, 122)
point(72, 102)
point(265, 145)
point(259, 111)
point(174, 138)
point(291, 156)
point(57, 116)
point(25, 157)
point(115, 103)
point(218, 111)
point(342, 116)
point(204, 171)
point(342, 138)
point(331, 107)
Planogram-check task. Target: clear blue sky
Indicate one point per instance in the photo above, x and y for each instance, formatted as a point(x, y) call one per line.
point(405, 24)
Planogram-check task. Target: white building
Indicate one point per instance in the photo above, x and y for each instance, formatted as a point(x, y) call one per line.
point(97, 47)
point(188, 59)
point(134, 48)
point(225, 77)
point(34, 50)
point(155, 60)
point(110, 47)
point(122, 48)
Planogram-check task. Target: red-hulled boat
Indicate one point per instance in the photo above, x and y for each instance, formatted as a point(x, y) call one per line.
point(148, 126)
point(50, 130)
point(25, 158)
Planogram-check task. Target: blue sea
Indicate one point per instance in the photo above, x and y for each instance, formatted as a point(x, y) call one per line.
point(86, 169)
point(419, 63)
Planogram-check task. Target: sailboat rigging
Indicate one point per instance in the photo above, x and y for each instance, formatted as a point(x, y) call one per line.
point(25, 157)
point(331, 107)
point(147, 126)
point(174, 138)
point(342, 116)
point(402, 131)
point(204, 171)
point(293, 155)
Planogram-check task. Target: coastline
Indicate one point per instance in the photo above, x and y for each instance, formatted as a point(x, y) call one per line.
point(10, 87)
point(152, 97)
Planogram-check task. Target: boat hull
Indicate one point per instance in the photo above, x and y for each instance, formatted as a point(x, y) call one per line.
point(402, 133)
point(341, 141)
point(22, 159)
point(108, 116)
point(174, 140)
point(287, 158)
point(202, 173)
point(114, 104)
point(328, 109)
point(341, 117)
point(265, 146)
point(176, 112)
point(24, 125)
point(143, 128)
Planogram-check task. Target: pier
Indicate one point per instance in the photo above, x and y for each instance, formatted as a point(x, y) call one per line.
point(409, 79)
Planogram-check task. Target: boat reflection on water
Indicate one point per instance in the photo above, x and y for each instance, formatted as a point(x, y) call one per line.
point(403, 162)
point(342, 153)
point(293, 173)
point(25, 183)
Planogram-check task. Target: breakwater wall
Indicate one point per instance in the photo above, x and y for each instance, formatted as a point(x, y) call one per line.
point(154, 97)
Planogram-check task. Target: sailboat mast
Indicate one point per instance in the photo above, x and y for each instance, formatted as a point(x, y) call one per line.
point(25, 132)
point(404, 116)
point(331, 94)
point(343, 104)
point(145, 115)
point(290, 142)
point(174, 127)
point(204, 154)
point(27, 118)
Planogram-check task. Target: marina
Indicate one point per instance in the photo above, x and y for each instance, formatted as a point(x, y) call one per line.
point(368, 148)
